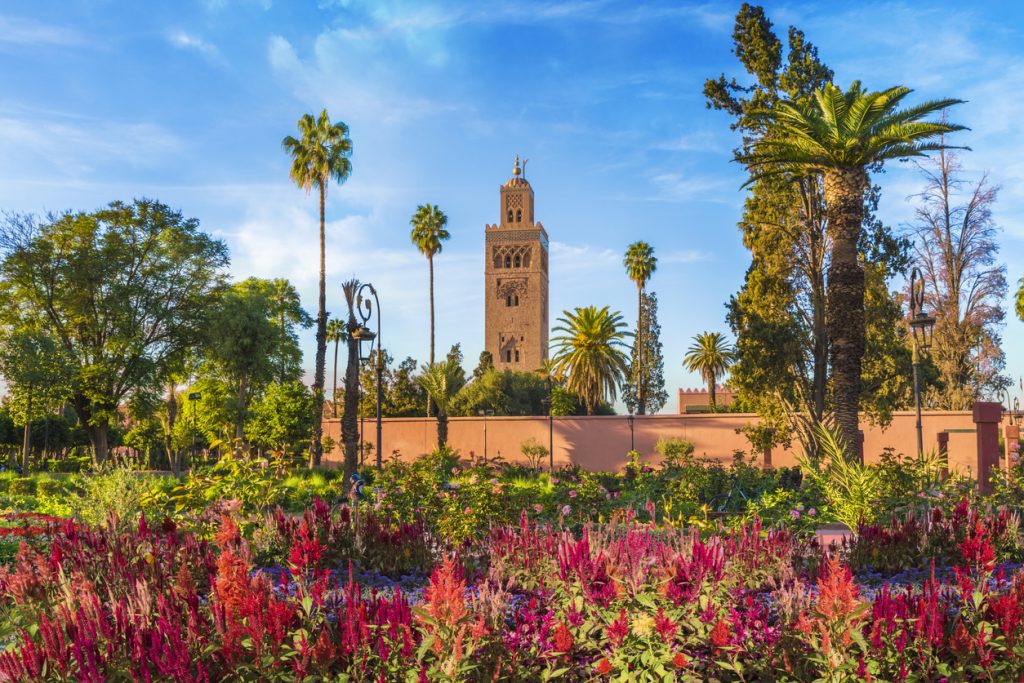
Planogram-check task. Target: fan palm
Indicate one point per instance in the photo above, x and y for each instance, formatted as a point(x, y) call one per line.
point(321, 153)
point(838, 135)
point(350, 413)
point(710, 356)
point(442, 381)
point(640, 264)
point(589, 353)
point(337, 331)
point(429, 234)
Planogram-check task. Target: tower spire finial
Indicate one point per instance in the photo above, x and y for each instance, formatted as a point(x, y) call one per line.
point(516, 171)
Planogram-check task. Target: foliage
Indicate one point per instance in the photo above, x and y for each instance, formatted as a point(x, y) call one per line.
point(114, 494)
point(281, 418)
point(651, 366)
point(640, 264)
point(955, 243)
point(673, 450)
point(588, 352)
point(442, 382)
point(505, 392)
point(535, 452)
point(151, 271)
point(850, 488)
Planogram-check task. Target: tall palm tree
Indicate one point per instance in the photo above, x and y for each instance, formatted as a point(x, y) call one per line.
point(640, 264)
point(442, 381)
point(837, 135)
point(321, 153)
point(429, 234)
point(589, 353)
point(337, 331)
point(710, 356)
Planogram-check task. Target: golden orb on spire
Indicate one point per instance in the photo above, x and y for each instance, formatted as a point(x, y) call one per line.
point(516, 171)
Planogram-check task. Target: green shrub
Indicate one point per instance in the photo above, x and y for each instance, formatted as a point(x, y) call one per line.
point(22, 486)
point(114, 493)
point(673, 449)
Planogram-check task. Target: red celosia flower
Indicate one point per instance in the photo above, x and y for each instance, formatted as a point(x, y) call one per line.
point(720, 634)
point(961, 642)
point(619, 629)
point(680, 660)
point(563, 638)
point(665, 627)
point(228, 535)
point(604, 667)
point(977, 549)
point(837, 593)
point(306, 551)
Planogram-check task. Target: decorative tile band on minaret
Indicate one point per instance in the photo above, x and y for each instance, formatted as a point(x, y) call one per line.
point(516, 280)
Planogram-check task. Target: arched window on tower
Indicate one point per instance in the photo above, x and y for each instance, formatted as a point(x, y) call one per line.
point(517, 355)
point(508, 300)
point(508, 261)
point(508, 356)
point(510, 215)
point(519, 261)
point(515, 299)
point(519, 215)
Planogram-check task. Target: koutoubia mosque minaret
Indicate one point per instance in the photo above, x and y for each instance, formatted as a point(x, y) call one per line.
point(516, 275)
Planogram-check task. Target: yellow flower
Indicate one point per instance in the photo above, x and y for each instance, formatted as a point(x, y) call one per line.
point(643, 625)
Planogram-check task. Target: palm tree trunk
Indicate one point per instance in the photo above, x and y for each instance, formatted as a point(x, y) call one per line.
point(315, 447)
point(350, 416)
point(442, 430)
point(844, 197)
point(334, 387)
point(430, 264)
point(641, 383)
point(713, 404)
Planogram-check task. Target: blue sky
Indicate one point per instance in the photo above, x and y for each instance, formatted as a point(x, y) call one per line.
point(187, 102)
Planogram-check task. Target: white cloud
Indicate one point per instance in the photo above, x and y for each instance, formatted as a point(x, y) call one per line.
point(20, 31)
point(677, 187)
point(207, 50)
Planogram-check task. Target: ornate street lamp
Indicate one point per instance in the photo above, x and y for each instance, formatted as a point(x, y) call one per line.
point(365, 308)
point(921, 325)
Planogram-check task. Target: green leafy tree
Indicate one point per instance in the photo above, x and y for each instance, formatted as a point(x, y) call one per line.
point(442, 381)
point(321, 153)
point(640, 263)
point(485, 365)
point(589, 352)
point(429, 234)
point(282, 417)
point(506, 392)
point(406, 397)
point(709, 356)
point(36, 375)
point(120, 291)
point(287, 314)
point(337, 332)
point(839, 135)
point(650, 364)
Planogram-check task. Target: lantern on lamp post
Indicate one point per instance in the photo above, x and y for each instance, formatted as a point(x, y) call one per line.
point(365, 308)
point(921, 326)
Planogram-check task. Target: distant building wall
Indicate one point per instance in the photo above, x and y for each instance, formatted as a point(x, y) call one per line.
point(601, 443)
point(699, 400)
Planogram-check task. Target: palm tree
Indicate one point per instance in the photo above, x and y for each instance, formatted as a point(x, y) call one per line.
point(837, 135)
point(320, 154)
point(429, 234)
point(442, 381)
point(710, 357)
point(640, 264)
point(337, 331)
point(350, 413)
point(589, 353)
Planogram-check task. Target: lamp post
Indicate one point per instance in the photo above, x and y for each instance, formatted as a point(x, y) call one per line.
point(485, 412)
point(921, 325)
point(365, 308)
point(632, 441)
point(194, 398)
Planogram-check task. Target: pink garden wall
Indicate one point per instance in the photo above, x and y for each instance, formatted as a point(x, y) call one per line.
point(601, 443)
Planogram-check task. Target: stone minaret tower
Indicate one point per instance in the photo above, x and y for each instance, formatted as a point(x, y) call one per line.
point(516, 274)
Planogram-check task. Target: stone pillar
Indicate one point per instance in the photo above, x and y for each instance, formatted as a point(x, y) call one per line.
point(943, 439)
point(1011, 435)
point(987, 416)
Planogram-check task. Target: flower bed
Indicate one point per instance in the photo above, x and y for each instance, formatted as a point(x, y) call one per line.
point(278, 599)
